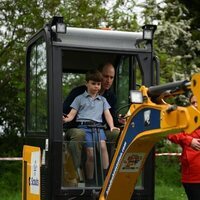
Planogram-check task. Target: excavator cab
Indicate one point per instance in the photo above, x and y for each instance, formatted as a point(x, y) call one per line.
point(57, 59)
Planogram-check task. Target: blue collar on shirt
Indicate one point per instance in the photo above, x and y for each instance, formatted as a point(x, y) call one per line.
point(85, 94)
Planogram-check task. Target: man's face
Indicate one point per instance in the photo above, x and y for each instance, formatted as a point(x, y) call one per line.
point(108, 77)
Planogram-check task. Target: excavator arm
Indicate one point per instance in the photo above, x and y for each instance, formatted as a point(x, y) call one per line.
point(148, 123)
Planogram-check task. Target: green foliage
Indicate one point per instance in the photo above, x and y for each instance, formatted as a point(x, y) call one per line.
point(175, 42)
point(121, 15)
point(11, 196)
point(168, 173)
point(165, 145)
point(84, 13)
point(168, 192)
point(10, 180)
point(10, 146)
point(168, 179)
point(193, 7)
point(175, 39)
point(166, 167)
point(18, 20)
point(150, 10)
point(70, 79)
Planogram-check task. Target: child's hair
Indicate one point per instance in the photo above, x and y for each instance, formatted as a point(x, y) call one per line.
point(93, 75)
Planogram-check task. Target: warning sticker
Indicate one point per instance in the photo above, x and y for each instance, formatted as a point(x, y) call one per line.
point(132, 162)
point(34, 179)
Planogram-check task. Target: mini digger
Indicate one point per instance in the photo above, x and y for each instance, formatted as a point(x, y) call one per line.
point(57, 58)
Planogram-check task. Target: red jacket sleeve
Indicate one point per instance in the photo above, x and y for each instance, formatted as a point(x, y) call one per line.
point(180, 138)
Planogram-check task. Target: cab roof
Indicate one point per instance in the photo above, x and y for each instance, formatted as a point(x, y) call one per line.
point(99, 39)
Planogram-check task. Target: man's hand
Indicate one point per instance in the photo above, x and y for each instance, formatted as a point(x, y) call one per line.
point(121, 119)
point(195, 144)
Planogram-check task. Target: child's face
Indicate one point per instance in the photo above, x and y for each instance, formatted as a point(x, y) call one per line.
point(93, 87)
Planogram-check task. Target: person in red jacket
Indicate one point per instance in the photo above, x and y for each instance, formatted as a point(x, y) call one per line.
point(190, 159)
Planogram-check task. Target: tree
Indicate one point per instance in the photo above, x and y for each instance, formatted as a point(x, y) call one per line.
point(18, 20)
point(193, 7)
point(185, 49)
point(173, 40)
point(84, 13)
point(116, 14)
point(122, 15)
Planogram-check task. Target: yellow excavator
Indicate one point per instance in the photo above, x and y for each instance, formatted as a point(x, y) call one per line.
point(57, 58)
point(149, 120)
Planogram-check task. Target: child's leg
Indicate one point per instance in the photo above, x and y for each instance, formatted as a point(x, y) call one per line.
point(89, 165)
point(105, 159)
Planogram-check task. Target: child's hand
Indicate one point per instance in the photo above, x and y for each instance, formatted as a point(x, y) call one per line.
point(65, 119)
point(114, 128)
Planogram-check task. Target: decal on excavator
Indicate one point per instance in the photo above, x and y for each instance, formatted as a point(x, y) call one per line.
point(132, 162)
point(31, 172)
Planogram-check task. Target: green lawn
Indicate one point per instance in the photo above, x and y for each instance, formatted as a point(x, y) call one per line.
point(165, 192)
point(167, 180)
point(10, 180)
point(11, 195)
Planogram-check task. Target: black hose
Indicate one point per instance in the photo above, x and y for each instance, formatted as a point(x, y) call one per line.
point(174, 87)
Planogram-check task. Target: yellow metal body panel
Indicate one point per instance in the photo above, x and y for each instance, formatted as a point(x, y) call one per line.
point(31, 173)
point(195, 86)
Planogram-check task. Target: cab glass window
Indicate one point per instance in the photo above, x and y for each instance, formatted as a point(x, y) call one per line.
point(37, 104)
point(122, 86)
point(129, 76)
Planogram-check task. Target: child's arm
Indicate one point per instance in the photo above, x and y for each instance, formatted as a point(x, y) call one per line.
point(109, 120)
point(69, 117)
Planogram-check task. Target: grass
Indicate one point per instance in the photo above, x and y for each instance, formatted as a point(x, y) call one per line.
point(165, 192)
point(10, 180)
point(167, 180)
point(11, 195)
point(168, 175)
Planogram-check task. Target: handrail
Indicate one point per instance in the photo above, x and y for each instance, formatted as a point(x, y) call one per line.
point(11, 159)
